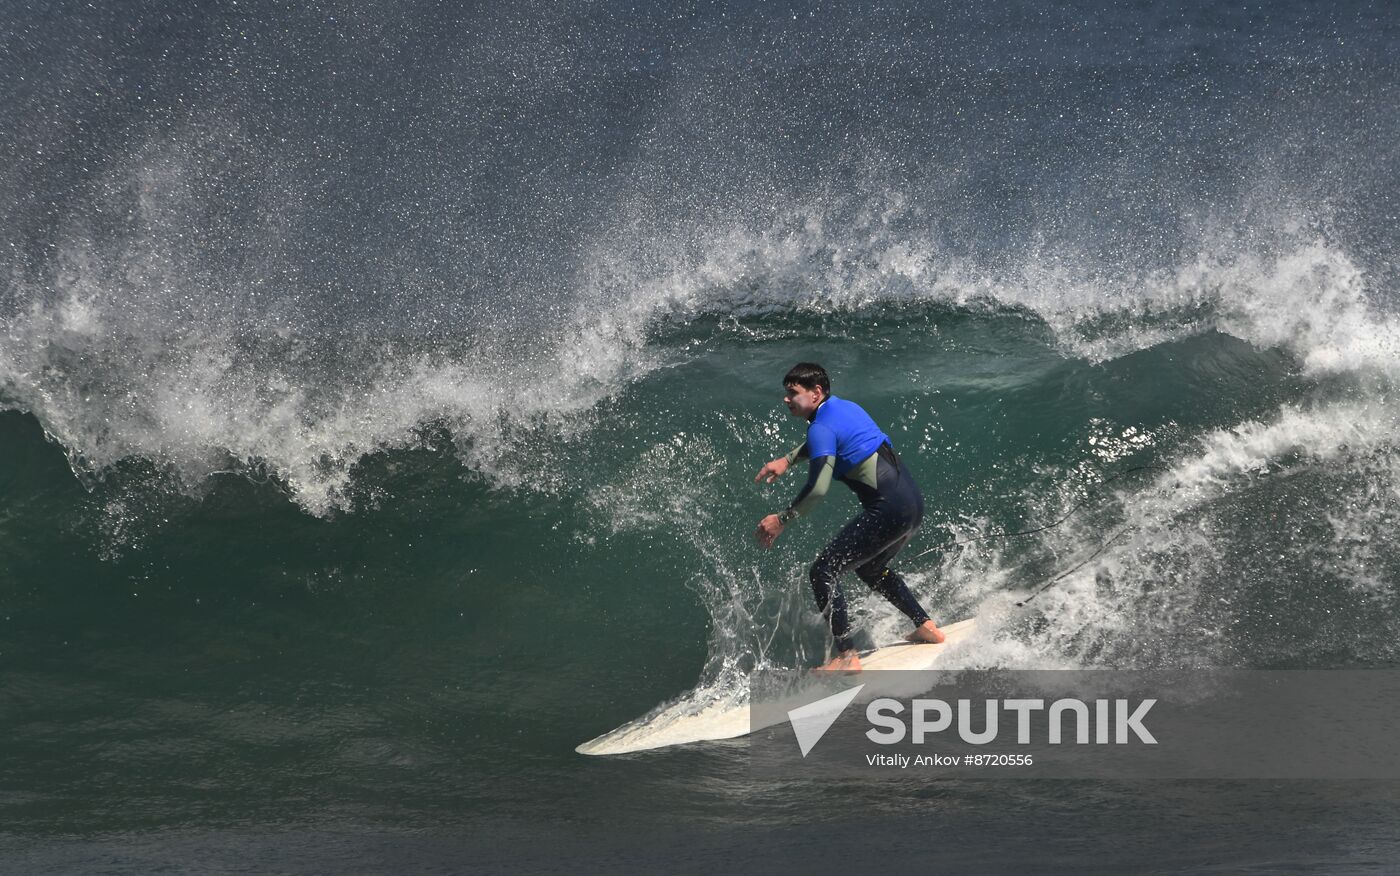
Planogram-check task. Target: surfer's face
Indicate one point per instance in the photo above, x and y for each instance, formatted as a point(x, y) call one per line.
point(801, 401)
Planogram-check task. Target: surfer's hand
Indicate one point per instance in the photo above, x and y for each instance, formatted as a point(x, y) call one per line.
point(772, 471)
point(769, 528)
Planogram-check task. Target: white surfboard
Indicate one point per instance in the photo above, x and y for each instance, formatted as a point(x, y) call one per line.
point(689, 721)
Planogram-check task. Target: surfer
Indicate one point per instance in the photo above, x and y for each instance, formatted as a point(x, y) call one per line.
point(845, 444)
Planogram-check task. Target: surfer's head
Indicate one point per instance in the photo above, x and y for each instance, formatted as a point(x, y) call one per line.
point(807, 386)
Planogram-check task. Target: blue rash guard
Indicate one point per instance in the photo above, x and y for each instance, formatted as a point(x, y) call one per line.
point(844, 442)
point(844, 430)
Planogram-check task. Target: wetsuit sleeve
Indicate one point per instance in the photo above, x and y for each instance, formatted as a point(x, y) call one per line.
point(796, 453)
point(819, 472)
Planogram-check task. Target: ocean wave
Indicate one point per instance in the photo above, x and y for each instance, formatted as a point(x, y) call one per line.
point(109, 380)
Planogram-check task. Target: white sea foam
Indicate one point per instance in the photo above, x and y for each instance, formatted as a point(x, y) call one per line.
point(1163, 592)
point(1288, 289)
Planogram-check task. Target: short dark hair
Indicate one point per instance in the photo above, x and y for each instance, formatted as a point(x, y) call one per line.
point(808, 375)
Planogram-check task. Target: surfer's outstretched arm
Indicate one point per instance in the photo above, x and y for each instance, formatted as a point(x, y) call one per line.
point(819, 472)
point(799, 452)
point(818, 482)
point(771, 471)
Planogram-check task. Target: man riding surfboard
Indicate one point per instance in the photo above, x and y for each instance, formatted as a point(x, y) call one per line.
point(844, 443)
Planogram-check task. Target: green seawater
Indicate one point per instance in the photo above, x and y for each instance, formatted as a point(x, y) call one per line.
point(214, 657)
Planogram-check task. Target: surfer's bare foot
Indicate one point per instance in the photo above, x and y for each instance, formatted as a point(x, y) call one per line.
point(846, 661)
point(926, 632)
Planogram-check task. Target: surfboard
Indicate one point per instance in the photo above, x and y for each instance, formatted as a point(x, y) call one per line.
point(694, 719)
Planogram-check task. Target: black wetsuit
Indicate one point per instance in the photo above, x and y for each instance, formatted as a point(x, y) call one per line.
point(839, 443)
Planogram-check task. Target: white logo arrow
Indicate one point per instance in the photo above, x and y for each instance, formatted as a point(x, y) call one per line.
point(810, 722)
